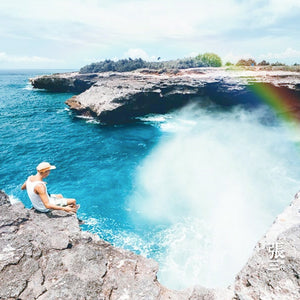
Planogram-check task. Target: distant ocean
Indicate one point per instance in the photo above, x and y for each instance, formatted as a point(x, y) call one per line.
point(194, 189)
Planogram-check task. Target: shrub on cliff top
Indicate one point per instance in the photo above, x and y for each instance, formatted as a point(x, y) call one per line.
point(277, 63)
point(263, 63)
point(248, 62)
point(209, 59)
point(122, 65)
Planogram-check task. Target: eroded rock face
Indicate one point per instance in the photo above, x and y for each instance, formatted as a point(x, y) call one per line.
point(116, 98)
point(64, 82)
point(120, 98)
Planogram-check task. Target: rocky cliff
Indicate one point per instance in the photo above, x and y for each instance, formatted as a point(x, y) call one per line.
point(115, 98)
point(47, 256)
point(273, 270)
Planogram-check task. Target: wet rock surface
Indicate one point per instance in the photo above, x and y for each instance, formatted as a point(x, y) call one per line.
point(116, 98)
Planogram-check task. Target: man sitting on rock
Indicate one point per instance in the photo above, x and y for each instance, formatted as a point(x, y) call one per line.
point(38, 195)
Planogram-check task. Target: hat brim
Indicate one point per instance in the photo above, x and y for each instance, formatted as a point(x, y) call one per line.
point(47, 169)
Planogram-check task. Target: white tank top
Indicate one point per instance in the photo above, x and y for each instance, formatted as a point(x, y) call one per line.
point(35, 199)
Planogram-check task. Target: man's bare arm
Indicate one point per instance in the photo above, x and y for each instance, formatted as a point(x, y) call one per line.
point(41, 191)
point(23, 187)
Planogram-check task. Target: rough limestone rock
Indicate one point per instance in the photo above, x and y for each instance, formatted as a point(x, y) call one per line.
point(273, 271)
point(115, 98)
point(3, 198)
point(64, 82)
point(47, 256)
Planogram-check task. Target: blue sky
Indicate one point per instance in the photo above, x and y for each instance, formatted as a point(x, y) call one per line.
point(73, 33)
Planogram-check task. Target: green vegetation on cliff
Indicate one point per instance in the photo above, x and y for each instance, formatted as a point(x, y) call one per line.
point(125, 65)
point(210, 59)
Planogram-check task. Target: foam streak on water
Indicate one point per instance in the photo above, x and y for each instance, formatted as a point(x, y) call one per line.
point(218, 180)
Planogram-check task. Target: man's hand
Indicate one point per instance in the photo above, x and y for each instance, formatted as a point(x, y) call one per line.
point(70, 209)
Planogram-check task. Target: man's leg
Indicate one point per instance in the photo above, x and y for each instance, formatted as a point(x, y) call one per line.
point(65, 202)
point(71, 202)
point(57, 195)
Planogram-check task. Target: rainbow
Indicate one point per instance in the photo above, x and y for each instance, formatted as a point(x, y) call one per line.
point(282, 100)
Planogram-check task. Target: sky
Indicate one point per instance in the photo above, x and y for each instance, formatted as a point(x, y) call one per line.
point(69, 34)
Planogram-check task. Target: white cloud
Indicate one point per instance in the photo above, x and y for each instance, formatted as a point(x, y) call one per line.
point(139, 53)
point(25, 59)
point(169, 28)
point(287, 53)
point(149, 20)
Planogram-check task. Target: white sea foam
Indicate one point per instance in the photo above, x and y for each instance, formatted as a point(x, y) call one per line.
point(154, 118)
point(89, 119)
point(13, 199)
point(59, 111)
point(92, 121)
point(84, 117)
point(119, 238)
point(219, 181)
point(28, 87)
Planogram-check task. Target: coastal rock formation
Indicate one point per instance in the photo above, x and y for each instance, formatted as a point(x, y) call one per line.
point(273, 270)
point(47, 256)
point(64, 82)
point(115, 98)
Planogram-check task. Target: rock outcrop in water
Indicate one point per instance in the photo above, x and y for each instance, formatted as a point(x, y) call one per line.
point(65, 82)
point(47, 256)
point(115, 98)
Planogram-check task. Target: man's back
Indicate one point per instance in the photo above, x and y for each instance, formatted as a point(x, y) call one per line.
point(35, 199)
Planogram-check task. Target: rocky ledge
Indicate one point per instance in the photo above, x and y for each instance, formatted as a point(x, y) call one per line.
point(47, 256)
point(115, 98)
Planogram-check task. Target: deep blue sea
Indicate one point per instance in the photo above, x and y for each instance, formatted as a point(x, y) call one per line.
point(194, 189)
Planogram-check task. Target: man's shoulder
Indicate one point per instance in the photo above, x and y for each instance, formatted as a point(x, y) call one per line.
point(40, 186)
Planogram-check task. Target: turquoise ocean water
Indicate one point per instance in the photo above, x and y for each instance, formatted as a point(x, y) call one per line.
point(194, 189)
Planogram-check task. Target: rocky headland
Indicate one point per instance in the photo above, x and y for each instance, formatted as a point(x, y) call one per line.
point(116, 98)
point(47, 256)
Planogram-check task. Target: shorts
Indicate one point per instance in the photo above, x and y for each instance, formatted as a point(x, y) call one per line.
point(58, 201)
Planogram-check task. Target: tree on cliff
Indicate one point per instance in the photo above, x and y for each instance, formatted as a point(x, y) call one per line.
point(122, 65)
point(209, 59)
point(277, 63)
point(263, 63)
point(248, 62)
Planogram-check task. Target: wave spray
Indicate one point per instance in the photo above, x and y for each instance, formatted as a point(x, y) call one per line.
point(217, 180)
